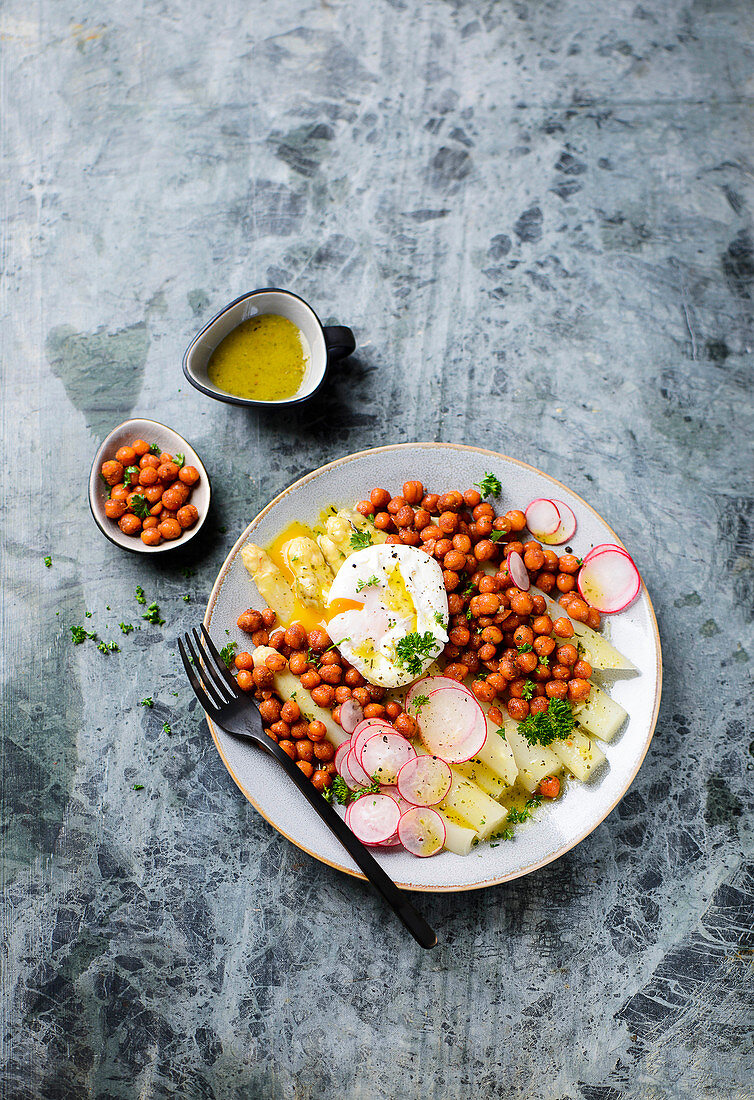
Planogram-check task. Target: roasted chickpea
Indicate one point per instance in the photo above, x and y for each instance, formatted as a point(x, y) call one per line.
point(114, 509)
point(457, 671)
point(394, 506)
point(354, 678)
point(140, 447)
point(483, 691)
point(523, 635)
point(246, 661)
point(295, 636)
point(317, 731)
point(380, 498)
point(245, 680)
point(560, 672)
point(319, 640)
point(167, 472)
point(593, 618)
point(567, 654)
point(582, 670)
point(542, 624)
point(281, 729)
point(305, 749)
point(130, 524)
point(518, 709)
point(306, 767)
point(448, 523)
point(564, 582)
point(404, 517)
point(323, 695)
point(486, 604)
point(365, 508)
point(260, 637)
point(249, 621)
point(543, 646)
point(374, 710)
point(545, 581)
point(430, 502)
point(310, 679)
point(342, 692)
point(324, 750)
point(112, 472)
point(299, 729)
point(147, 476)
point(578, 690)
point(450, 502)
point(538, 704)
point(422, 519)
point(148, 460)
point(298, 663)
point(187, 516)
point(151, 536)
point(270, 709)
point(578, 609)
point(563, 628)
point(170, 529)
point(150, 521)
point(263, 677)
point(549, 787)
point(534, 559)
point(126, 456)
point(288, 747)
point(406, 725)
point(484, 550)
point(516, 519)
point(556, 689)
point(173, 498)
point(321, 779)
point(393, 540)
point(331, 674)
point(527, 662)
point(471, 498)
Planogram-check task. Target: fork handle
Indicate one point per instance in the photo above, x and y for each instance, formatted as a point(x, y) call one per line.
point(396, 899)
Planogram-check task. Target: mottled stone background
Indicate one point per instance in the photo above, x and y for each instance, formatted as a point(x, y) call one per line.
point(536, 216)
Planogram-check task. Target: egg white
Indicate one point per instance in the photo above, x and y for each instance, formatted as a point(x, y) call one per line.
point(402, 592)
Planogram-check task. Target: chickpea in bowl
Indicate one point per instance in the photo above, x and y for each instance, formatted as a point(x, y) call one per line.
point(148, 489)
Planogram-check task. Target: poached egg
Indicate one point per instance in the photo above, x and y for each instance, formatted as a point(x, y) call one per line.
point(388, 613)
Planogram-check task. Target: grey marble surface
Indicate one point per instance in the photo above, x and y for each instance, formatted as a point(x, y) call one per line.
point(536, 216)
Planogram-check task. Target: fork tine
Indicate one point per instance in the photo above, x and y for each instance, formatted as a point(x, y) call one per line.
point(220, 662)
point(218, 699)
point(206, 703)
point(209, 667)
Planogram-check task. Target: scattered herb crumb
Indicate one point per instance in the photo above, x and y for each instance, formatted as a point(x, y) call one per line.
point(149, 702)
point(140, 597)
point(489, 486)
point(155, 449)
point(138, 787)
point(228, 653)
point(166, 728)
point(152, 615)
point(126, 628)
point(79, 635)
point(47, 561)
point(88, 614)
point(186, 598)
point(180, 460)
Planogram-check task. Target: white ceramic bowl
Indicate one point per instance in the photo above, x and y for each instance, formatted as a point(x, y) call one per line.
point(557, 826)
point(168, 440)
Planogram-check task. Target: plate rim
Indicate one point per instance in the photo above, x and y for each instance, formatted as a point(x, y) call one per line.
point(225, 567)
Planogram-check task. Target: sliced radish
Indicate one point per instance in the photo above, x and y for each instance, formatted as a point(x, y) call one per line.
point(373, 818)
point(424, 781)
point(350, 715)
point(421, 831)
point(384, 755)
point(565, 528)
point(452, 724)
point(403, 804)
point(609, 581)
point(353, 764)
point(340, 755)
point(542, 517)
point(367, 729)
point(425, 687)
point(518, 572)
point(605, 546)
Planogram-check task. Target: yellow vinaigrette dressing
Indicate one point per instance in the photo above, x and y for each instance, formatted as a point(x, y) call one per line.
point(262, 359)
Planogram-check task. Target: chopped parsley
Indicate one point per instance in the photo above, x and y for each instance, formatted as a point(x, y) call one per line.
point(360, 540)
point(517, 817)
point(140, 597)
point(228, 653)
point(549, 725)
point(340, 790)
point(152, 615)
point(79, 635)
point(138, 787)
point(108, 647)
point(88, 614)
point(544, 662)
point(411, 651)
point(47, 561)
point(126, 628)
point(140, 505)
point(180, 460)
point(186, 598)
point(440, 618)
point(527, 690)
point(367, 584)
point(129, 474)
point(155, 449)
point(495, 536)
point(489, 486)
point(525, 648)
point(147, 702)
point(373, 788)
point(418, 702)
point(166, 728)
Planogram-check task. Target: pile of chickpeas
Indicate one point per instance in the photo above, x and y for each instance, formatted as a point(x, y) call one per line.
point(498, 634)
point(165, 486)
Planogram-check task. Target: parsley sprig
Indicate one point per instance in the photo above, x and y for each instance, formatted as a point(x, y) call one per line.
point(411, 651)
point(549, 725)
point(228, 653)
point(418, 702)
point(360, 540)
point(367, 584)
point(489, 486)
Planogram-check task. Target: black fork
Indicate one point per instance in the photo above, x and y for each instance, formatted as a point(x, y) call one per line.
point(233, 711)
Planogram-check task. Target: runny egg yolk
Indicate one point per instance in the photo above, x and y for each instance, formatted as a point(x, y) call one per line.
point(309, 617)
point(337, 607)
point(398, 598)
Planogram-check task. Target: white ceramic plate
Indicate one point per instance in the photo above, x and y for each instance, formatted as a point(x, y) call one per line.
point(557, 826)
point(152, 432)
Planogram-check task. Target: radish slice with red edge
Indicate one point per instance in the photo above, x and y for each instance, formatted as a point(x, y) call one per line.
point(424, 781)
point(605, 546)
point(452, 725)
point(384, 755)
point(424, 688)
point(340, 754)
point(422, 831)
point(350, 715)
point(344, 770)
point(517, 570)
point(566, 527)
point(609, 581)
point(361, 778)
point(373, 818)
point(542, 517)
point(367, 729)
